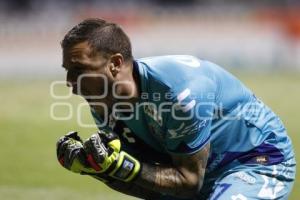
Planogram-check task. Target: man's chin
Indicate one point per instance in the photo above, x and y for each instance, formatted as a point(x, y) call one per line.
point(91, 100)
point(88, 99)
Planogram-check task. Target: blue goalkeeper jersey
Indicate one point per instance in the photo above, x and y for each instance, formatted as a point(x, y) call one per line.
point(186, 103)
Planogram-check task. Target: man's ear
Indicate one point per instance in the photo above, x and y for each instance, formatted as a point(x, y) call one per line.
point(116, 62)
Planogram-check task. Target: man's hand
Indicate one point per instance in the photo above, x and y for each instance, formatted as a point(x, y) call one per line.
point(71, 155)
point(105, 156)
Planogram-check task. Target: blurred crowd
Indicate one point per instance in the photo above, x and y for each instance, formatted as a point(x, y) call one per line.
point(29, 5)
point(257, 34)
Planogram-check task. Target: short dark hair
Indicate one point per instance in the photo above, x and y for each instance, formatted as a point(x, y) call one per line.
point(102, 36)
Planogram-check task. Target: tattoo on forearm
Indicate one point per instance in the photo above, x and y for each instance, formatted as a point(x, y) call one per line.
point(131, 189)
point(161, 179)
point(176, 180)
point(173, 180)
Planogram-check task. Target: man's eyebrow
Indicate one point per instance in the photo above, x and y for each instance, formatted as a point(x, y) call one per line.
point(75, 64)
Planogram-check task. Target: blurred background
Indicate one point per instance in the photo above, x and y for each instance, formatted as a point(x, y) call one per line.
point(258, 41)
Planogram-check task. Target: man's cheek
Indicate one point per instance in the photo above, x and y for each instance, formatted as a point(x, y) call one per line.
point(82, 87)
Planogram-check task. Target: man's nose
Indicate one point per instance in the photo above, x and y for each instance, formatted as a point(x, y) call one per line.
point(71, 80)
point(71, 83)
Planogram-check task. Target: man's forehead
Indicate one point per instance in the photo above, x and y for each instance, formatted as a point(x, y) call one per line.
point(80, 49)
point(76, 52)
point(81, 53)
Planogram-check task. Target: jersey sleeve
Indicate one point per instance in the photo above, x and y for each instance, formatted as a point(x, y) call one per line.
point(188, 125)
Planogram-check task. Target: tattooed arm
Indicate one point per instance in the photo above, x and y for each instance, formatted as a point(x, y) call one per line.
point(128, 188)
point(182, 179)
point(134, 190)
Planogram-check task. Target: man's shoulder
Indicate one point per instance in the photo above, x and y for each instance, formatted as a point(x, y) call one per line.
point(187, 60)
point(177, 74)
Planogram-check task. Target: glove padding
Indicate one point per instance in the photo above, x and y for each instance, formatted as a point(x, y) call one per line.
point(71, 155)
point(104, 155)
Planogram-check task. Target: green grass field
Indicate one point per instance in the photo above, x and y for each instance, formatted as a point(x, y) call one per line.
point(29, 169)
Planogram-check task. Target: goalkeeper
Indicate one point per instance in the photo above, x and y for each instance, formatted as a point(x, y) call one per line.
point(170, 127)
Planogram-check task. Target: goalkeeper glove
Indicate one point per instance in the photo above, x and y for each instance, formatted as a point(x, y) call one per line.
point(105, 156)
point(71, 155)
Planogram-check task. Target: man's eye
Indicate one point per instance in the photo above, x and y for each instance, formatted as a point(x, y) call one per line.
point(77, 70)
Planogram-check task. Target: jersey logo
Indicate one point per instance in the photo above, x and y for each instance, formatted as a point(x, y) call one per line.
point(270, 190)
point(263, 159)
point(111, 121)
point(152, 112)
point(181, 97)
point(245, 177)
point(126, 134)
point(183, 130)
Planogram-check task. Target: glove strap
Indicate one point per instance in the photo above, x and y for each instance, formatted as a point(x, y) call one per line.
point(126, 168)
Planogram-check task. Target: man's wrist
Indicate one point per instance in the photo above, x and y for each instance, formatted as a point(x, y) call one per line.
point(126, 168)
